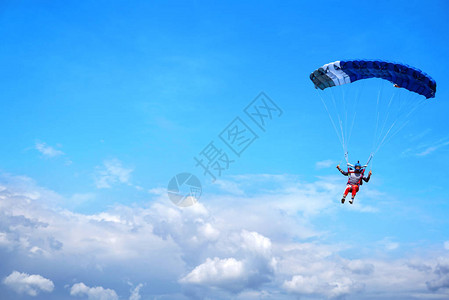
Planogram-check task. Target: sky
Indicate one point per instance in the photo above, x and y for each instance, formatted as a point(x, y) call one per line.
point(104, 103)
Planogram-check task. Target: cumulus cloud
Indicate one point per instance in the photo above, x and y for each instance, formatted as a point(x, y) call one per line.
point(31, 227)
point(112, 172)
point(47, 150)
point(263, 244)
point(31, 285)
point(209, 232)
point(442, 280)
point(314, 270)
point(314, 285)
point(358, 266)
point(256, 243)
point(93, 293)
point(254, 266)
point(216, 272)
point(229, 186)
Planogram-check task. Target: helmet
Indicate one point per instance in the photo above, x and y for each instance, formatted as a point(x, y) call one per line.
point(358, 167)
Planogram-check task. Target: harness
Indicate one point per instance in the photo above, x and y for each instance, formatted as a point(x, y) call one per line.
point(360, 182)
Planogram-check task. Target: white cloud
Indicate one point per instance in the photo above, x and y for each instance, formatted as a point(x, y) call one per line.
point(314, 270)
point(334, 277)
point(216, 272)
point(388, 244)
point(93, 293)
point(358, 266)
point(314, 285)
point(392, 246)
point(24, 283)
point(47, 151)
point(135, 292)
point(230, 187)
point(302, 285)
point(158, 191)
point(256, 243)
point(442, 280)
point(209, 232)
point(325, 164)
point(110, 173)
point(226, 246)
point(251, 267)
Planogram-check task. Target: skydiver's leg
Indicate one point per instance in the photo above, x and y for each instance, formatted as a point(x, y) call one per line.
point(355, 189)
point(348, 188)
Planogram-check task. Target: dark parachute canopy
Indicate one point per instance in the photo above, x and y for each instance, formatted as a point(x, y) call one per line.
point(404, 76)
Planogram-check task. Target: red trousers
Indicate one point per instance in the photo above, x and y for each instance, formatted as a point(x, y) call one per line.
point(354, 188)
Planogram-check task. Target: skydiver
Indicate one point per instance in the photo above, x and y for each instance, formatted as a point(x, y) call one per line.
point(355, 179)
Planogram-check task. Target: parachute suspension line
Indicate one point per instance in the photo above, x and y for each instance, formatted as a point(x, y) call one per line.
point(332, 120)
point(385, 136)
point(346, 109)
point(339, 122)
point(379, 94)
point(377, 122)
point(402, 117)
point(354, 109)
point(377, 116)
point(369, 159)
point(381, 133)
point(410, 112)
point(403, 103)
point(416, 106)
point(382, 137)
point(400, 112)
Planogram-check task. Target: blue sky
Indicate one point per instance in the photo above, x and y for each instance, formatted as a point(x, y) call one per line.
point(104, 102)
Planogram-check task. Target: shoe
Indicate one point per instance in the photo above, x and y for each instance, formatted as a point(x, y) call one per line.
point(343, 200)
point(351, 201)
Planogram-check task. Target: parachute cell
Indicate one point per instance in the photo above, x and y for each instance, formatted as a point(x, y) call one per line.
point(404, 76)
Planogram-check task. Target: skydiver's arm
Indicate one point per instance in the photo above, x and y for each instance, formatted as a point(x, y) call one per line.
point(366, 179)
point(342, 172)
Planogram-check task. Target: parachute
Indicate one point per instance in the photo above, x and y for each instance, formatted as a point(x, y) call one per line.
point(408, 89)
point(343, 72)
